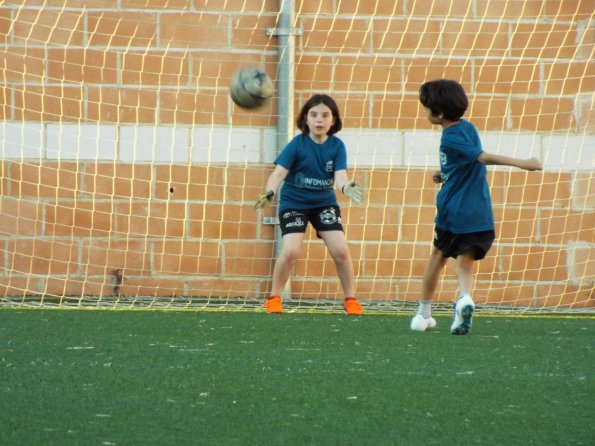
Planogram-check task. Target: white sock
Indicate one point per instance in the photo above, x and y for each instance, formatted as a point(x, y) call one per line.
point(425, 308)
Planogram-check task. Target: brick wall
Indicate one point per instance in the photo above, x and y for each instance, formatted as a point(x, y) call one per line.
point(128, 170)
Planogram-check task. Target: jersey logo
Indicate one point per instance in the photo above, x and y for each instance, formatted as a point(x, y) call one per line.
point(443, 159)
point(330, 166)
point(328, 216)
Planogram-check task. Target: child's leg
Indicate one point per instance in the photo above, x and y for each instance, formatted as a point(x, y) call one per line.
point(432, 274)
point(292, 246)
point(423, 319)
point(464, 272)
point(339, 251)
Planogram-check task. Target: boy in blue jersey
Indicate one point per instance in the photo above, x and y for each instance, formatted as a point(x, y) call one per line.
point(464, 225)
point(310, 167)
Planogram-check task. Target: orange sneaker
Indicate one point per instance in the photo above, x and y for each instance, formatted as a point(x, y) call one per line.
point(273, 305)
point(352, 307)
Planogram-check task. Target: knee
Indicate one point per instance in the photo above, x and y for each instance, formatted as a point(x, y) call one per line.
point(290, 255)
point(341, 255)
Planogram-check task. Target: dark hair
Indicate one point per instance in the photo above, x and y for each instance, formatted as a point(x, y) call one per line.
point(444, 97)
point(315, 100)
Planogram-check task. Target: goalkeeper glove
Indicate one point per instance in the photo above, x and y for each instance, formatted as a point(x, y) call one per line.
point(264, 198)
point(353, 191)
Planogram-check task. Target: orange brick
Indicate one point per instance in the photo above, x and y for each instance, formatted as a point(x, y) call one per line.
point(48, 179)
point(569, 9)
point(336, 34)
point(366, 73)
point(543, 40)
point(20, 217)
point(563, 78)
point(500, 76)
point(538, 188)
point(194, 183)
point(564, 226)
point(387, 186)
point(215, 69)
point(151, 219)
point(516, 224)
point(314, 73)
point(488, 113)
point(249, 32)
point(421, 69)
point(164, 287)
point(43, 257)
point(187, 30)
point(394, 260)
point(536, 263)
point(125, 105)
point(5, 27)
point(156, 4)
point(5, 104)
point(583, 190)
point(78, 218)
point(431, 8)
point(418, 223)
point(117, 181)
point(248, 259)
point(122, 29)
point(405, 36)
point(20, 285)
point(82, 66)
point(33, 103)
point(156, 68)
point(373, 223)
point(503, 294)
point(47, 26)
point(524, 9)
point(186, 257)
point(398, 112)
point(305, 7)
point(371, 7)
point(225, 287)
point(543, 114)
point(565, 295)
point(104, 257)
point(22, 64)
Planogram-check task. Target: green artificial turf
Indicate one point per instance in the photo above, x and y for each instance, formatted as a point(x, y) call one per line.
point(191, 378)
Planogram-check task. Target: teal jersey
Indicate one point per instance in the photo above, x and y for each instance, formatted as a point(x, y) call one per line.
point(464, 204)
point(312, 166)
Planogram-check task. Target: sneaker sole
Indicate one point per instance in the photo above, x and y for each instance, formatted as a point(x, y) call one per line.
point(467, 314)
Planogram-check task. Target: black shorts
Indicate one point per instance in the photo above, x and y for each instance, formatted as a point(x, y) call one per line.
point(327, 218)
point(453, 245)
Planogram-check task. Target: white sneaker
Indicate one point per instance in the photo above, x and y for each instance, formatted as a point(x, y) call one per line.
point(420, 323)
point(463, 314)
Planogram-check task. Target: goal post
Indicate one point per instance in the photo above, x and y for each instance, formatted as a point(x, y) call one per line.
point(127, 174)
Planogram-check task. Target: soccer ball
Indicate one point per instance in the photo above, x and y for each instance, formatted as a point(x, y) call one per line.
point(250, 88)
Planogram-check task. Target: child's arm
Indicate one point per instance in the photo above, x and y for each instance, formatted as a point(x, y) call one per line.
point(275, 179)
point(500, 160)
point(349, 188)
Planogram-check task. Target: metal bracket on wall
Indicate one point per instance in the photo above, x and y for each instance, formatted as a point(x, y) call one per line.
point(284, 32)
point(270, 220)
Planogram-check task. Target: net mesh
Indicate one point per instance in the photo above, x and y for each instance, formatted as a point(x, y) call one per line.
point(128, 175)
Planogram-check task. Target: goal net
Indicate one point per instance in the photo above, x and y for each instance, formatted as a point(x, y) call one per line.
point(128, 176)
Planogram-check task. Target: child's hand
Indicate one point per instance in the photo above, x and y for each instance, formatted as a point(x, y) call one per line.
point(264, 198)
point(533, 164)
point(437, 177)
point(353, 191)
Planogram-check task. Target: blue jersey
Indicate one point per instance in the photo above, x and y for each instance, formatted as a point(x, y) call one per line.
point(311, 178)
point(464, 203)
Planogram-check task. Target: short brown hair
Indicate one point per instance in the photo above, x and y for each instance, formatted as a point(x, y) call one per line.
point(315, 100)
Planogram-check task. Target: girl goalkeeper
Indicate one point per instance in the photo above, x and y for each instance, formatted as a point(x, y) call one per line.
point(310, 167)
point(464, 225)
